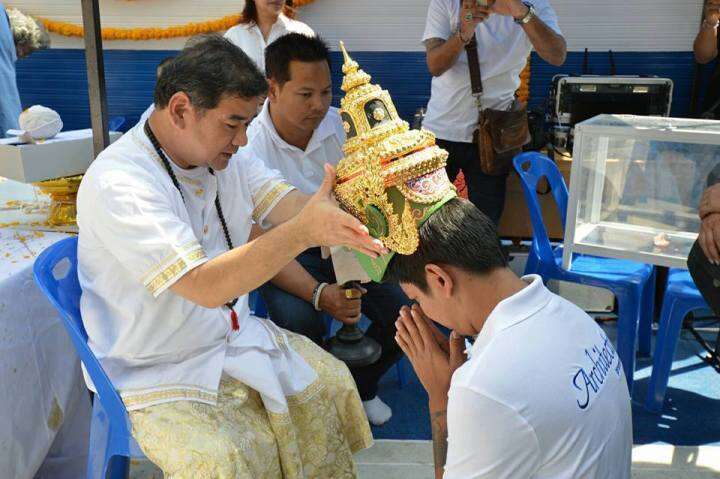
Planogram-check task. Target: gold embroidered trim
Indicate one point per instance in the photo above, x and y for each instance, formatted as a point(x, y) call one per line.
point(264, 190)
point(169, 258)
point(309, 393)
point(172, 271)
point(180, 394)
point(268, 201)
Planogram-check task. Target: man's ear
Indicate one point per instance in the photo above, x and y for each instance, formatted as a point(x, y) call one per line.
point(273, 90)
point(180, 107)
point(440, 280)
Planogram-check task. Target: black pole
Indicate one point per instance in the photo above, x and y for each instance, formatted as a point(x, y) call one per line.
point(95, 74)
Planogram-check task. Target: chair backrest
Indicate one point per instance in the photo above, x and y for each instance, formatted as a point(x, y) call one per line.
point(116, 123)
point(55, 272)
point(532, 167)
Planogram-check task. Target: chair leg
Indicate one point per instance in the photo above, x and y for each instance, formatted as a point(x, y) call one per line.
point(629, 305)
point(99, 443)
point(671, 320)
point(532, 266)
point(647, 315)
point(117, 467)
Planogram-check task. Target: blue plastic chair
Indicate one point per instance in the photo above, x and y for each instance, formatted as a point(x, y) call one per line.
point(681, 298)
point(111, 443)
point(115, 123)
point(632, 283)
point(257, 305)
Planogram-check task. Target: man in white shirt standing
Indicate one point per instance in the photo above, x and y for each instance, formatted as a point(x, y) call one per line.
point(506, 32)
point(296, 133)
point(166, 259)
point(542, 394)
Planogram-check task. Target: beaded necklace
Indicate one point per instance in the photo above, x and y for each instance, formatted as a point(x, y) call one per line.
point(228, 240)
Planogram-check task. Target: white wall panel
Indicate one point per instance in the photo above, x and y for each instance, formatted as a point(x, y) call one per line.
point(397, 25)
point(629, 25)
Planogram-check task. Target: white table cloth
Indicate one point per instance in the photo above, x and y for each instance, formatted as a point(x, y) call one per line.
point(44, 405)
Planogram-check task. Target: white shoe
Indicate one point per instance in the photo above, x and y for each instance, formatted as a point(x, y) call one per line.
point(378, 413)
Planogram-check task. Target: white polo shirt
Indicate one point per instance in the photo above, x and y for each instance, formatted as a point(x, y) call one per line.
point(250, 39)
point(542, 396)
point(503, 49)
point(304, 169)
point(138, 236)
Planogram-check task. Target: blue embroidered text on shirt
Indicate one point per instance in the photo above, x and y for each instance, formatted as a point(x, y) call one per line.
point(588, 382)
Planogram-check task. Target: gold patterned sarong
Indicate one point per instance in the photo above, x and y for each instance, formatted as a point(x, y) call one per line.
point(239, 438)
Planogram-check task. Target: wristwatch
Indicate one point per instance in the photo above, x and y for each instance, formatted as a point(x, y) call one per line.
point(528, 16)
point(709, 26)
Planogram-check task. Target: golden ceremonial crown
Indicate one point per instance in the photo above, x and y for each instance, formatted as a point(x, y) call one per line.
point(392, 178)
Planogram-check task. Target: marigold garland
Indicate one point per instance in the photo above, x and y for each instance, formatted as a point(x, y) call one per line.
point(523, 92)
point(190, 29)
point(155, 33)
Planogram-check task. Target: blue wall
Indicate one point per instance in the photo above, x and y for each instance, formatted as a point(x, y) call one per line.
point(56, 78)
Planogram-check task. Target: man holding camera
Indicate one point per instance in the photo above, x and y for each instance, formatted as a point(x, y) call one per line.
point(488, 40)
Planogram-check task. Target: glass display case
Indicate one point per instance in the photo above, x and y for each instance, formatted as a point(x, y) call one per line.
point(636, 184)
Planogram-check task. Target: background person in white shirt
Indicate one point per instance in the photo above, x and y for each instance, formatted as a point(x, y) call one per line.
point(166, 260)
point(296, 133)
point(263, 22)
point(543, 393)
point(503, 49)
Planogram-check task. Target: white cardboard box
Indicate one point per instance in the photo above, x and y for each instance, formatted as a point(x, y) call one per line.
point(67, 154)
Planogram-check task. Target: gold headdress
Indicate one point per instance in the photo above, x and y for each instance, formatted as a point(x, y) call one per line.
point(392, 178)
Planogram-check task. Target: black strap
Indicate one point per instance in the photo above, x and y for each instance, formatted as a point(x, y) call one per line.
point(474, 66)
point(166, 163)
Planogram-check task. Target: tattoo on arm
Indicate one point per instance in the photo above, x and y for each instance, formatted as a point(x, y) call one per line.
point(438, 424)
point(433, 43)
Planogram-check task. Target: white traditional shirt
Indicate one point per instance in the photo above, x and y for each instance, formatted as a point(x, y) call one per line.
point(304, 169)
point(503, 49)
point(137, 238)
point(250, 39)
point(146, 114)
point(543, 395)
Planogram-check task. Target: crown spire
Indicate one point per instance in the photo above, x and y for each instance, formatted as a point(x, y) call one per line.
point(354, 76)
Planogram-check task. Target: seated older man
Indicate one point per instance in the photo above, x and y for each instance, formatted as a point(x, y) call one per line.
point(166, 260)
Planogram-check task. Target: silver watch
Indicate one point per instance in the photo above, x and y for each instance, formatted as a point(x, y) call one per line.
point(528, 16)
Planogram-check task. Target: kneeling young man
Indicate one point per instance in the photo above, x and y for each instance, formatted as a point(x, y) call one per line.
point(542, 392)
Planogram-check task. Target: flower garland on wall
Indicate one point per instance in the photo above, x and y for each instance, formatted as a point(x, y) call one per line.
point(155, 33)
point(190, 29)
point(146, 33)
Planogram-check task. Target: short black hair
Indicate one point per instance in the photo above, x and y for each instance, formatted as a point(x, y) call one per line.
point(293, 46)
point(208, 68)
point(163, 63)
point(458, 235)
